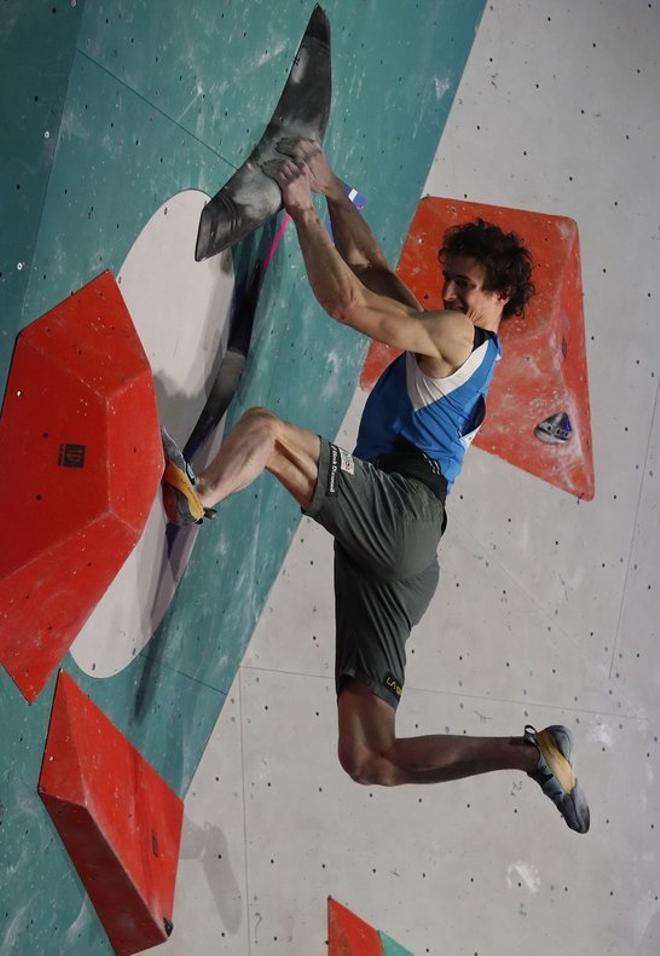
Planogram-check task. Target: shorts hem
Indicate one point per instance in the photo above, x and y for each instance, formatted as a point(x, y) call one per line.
point(321, 481)
point(378, 690)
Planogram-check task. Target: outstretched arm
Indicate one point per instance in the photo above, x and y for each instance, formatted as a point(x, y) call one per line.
point(354, 240)
point(444, 335)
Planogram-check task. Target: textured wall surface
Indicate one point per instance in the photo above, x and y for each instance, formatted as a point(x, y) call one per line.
point(37, 45)
point(547, 609)
point(110, 109)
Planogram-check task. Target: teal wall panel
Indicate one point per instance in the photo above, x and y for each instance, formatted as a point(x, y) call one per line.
point(37, 44)
point(391, 947)
point(118, 159)
point(160, 98)
point(395, 70)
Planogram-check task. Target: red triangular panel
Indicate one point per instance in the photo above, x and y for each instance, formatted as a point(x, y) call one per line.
point(544, 371)
point(348, 935)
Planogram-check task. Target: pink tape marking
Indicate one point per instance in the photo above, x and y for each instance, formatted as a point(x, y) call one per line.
point(355, 197)
point(276, 241)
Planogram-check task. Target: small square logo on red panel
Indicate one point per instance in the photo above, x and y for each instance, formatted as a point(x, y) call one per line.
point(71, 456)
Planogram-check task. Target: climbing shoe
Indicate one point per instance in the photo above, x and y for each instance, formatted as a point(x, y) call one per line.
point(180, 500)
point(554, 774)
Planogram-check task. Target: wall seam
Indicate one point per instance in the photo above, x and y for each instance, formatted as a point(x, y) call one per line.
point(631, 549)
point(153, 106)
point(245, 829)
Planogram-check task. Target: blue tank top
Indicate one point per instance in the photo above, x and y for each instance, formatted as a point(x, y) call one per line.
point(439, 416)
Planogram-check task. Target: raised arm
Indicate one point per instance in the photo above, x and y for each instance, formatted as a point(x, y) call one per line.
point(340, 291)
point(354, 240)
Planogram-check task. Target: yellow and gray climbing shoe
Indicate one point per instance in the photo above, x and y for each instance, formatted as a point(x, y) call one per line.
point(180, 500)
point(554, 774)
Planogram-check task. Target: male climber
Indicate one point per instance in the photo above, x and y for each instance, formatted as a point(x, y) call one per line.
point(384, 504)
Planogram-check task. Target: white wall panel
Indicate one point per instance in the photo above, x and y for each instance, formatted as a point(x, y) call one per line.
point(210, 904)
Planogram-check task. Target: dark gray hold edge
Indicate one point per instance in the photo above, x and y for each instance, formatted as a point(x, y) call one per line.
point(232, 365)
point(222, 392)
point(250, 197)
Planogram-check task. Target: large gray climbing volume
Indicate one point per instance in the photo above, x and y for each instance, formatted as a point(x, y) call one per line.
point(250, 197)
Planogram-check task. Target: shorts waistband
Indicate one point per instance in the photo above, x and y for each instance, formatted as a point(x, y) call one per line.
point(408, 461)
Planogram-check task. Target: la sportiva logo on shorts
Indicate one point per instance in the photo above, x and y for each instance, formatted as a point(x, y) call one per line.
point(339, 460)
point(393, 685)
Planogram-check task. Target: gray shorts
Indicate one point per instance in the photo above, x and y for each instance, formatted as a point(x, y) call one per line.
point(386, 529)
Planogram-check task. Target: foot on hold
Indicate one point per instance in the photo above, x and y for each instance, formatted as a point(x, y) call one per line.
point(554, 774)
point(180, 500)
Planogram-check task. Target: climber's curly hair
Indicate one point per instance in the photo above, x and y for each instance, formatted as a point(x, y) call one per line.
point(508, 263)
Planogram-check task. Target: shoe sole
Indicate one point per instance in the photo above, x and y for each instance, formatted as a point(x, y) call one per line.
point(574, 807)
point(556, 761)
point(179, 483)
point(575, 810)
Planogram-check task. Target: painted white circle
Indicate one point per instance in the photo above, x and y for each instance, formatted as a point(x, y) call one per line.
point(180, 309)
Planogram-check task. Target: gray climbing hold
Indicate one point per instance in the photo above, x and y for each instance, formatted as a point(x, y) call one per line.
point(251, 197)
point(555, 430)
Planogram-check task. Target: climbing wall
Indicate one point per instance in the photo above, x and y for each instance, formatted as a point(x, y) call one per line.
point(547, 608)
point(119, 118)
